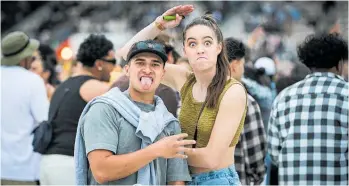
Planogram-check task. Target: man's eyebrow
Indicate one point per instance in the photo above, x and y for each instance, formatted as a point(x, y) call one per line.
point(139, 59)
point(155, 61)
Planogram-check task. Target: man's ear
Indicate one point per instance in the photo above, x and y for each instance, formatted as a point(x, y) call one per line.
point(163, 74)
point(98, 64)
point(126, 68)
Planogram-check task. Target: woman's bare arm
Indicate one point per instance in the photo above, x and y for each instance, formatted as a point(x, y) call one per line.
point(175, 76)
point(151, 31)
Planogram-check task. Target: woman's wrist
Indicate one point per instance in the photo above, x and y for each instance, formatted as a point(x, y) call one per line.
point(159, 26)
point(159, 23)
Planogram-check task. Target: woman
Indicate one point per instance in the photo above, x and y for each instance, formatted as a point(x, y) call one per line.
point(224, 100)
point(44, 66)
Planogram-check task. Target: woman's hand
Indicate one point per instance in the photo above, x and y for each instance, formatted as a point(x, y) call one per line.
point(179, 11)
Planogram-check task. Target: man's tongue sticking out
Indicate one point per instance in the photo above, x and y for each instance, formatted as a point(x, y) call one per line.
point(146, 82)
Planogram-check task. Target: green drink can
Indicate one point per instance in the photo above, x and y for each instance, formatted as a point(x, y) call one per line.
point(169, 17)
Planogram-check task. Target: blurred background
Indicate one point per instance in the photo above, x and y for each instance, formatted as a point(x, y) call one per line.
point(64, 24)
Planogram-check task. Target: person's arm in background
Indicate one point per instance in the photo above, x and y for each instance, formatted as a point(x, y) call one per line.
point(255, 35)
point(39, 103)
point(254, 143)
point(152, 30)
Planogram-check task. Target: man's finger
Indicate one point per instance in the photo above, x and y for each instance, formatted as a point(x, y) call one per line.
point(186, 142)
point(185, 150)
point(183, 156)
point(180, 136)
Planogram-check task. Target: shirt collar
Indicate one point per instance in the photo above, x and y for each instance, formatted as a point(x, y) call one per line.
point(325, 74)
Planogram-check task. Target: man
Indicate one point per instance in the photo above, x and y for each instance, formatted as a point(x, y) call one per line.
point(24, 105)
point(112, 130)
point(308, 127)
point(250, 151)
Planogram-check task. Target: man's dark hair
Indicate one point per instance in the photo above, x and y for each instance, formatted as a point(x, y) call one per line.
point(94, 47)
point(323, 51)
point(236, 50)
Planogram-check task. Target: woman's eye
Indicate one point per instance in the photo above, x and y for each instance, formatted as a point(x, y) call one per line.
point(192, 44)
point(207, 43)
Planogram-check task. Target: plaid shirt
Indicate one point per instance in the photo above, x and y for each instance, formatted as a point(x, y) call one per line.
point(308, 131)
point(251, 149)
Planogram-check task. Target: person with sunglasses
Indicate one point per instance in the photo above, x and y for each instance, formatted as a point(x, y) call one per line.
point(97, 55)
point(24, 105)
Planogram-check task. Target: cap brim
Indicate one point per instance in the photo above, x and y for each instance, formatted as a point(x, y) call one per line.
point(28, 51)
point(160, 54)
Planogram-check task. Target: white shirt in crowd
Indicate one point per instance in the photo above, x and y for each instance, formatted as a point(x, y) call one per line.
point(24, 104)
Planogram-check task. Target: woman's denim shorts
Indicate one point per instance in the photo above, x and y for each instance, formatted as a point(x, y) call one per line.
point(226, 176)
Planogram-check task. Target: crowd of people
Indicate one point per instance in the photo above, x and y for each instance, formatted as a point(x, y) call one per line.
point(221, 114)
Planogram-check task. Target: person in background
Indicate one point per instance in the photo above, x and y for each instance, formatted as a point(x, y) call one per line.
point(256, 83)
point(24, 105)
point(268, 65)
point(45, 66)
point(308, 126)
point(250, 152)
point(96, 54)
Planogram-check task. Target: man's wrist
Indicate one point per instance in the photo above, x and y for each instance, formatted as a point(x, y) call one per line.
point(154, 151)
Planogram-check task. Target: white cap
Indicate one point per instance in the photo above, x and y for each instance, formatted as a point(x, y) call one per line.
point(268, 65)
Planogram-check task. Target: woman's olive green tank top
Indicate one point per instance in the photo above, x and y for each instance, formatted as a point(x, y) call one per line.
point(190, 111)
